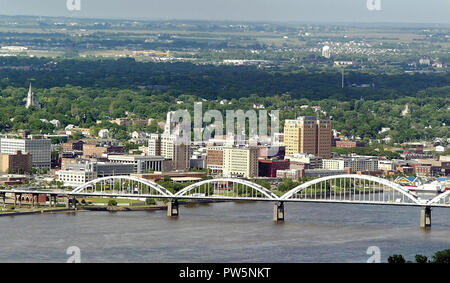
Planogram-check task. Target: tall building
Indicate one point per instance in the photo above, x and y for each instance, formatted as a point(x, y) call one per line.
point(308, 134)
point(214, 158)
point(31, 99)
point(240, 162)
point(37, 146)
point(178, 153)
point(154, 145)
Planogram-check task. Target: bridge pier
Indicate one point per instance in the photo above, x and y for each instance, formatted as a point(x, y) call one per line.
point(425, 217)
point(172, 208)
point(278, 211)
point(4, 199)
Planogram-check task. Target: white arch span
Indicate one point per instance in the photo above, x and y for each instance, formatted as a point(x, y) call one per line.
point(381, 181)
point(438, 198)
point(163, 191)
point(267, 193)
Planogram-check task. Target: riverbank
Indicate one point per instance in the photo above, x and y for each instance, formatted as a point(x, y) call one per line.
point(86, 208)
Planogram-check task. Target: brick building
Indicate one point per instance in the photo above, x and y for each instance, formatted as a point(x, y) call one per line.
point(16, 163)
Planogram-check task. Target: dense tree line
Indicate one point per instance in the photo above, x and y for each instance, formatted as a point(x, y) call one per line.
point(83, 92)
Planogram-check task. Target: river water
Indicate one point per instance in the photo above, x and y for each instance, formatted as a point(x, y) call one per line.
point(225, 232)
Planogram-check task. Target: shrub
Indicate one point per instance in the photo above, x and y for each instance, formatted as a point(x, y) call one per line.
point(150, 201)
point(112, 202)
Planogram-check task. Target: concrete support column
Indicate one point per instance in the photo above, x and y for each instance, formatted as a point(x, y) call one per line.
point(425, 217)
point(20, 200)
point(67, 202)
point(15, 199)
point(4, 199)
point(278, 211)
point(172, 208)
point(55, 200)
point(32, 200)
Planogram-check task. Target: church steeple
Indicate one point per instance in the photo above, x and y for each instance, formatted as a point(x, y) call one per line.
point(31, 100)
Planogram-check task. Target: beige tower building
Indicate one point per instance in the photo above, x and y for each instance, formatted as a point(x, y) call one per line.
point(240, 162)
point(308, 134)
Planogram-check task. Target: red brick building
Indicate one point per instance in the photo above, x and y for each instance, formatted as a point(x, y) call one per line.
point(268, 168)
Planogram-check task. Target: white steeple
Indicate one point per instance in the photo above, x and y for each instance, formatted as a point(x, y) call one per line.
point(31, 100)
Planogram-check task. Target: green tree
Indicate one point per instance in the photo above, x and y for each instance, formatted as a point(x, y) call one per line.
point(442, 256)
point(396, 259)
point(421, 259)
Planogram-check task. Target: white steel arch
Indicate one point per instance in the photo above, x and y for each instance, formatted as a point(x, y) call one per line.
point(439, 198)
point(163, 191)
point(381, 181)
point(267, 194)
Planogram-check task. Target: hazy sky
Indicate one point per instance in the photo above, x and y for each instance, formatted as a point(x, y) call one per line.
point(417, 11)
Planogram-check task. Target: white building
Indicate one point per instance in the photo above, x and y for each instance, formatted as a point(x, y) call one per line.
point(75, 178)
point(142, 164)
point(356, 164)
point(37, 146)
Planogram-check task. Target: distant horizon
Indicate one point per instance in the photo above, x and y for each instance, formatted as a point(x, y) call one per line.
point(281, 11)
point(318, 22)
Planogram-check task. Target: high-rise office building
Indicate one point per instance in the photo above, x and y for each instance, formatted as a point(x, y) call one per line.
point(240, 162)
point(37, 146)
point(178, 153)
point(308, 134)
point(154, 145)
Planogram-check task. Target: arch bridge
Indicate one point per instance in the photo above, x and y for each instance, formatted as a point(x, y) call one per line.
point(346, 188)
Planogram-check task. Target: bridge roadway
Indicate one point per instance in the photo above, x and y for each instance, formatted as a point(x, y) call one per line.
point(344, 189)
